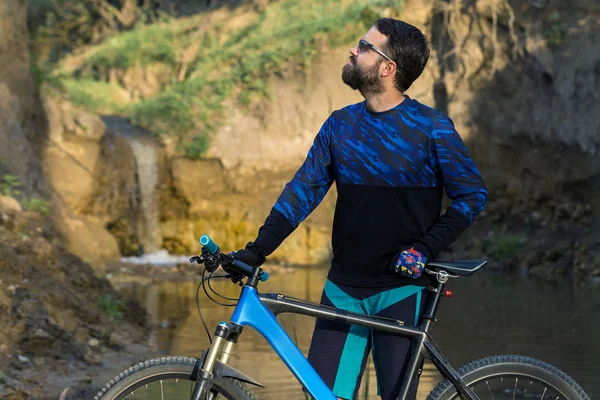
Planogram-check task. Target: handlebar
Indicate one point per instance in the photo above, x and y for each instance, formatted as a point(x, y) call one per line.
point(228, 262)
point(208, 244)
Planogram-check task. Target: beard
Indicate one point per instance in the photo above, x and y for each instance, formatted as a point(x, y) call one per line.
point(367, 82)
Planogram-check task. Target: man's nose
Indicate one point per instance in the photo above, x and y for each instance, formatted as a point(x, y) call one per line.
point(354, 51)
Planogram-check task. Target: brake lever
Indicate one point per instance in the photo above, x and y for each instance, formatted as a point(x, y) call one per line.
point(196, 259)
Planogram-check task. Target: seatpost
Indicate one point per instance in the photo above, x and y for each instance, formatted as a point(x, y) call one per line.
point(432, 305)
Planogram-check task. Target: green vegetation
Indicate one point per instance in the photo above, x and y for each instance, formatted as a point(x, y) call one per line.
point(553, 34)
point(112, 307)
point(101, 97)
point(502, 247)
point(150, 43)
point(36, 204)
point(213, 65)
point(9, 185)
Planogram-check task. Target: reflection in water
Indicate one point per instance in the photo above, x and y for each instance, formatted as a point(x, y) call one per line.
point(490, 313)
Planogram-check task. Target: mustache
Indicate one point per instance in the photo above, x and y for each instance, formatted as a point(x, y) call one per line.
point(352, 59)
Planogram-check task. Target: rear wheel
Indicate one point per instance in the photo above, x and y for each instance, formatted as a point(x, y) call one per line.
point(512, 377)
point(168, 378)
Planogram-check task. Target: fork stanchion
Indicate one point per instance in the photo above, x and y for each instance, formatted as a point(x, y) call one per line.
point(205, 378)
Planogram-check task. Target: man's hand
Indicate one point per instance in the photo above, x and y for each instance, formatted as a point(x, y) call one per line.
point(250, 255)
point(410, 263)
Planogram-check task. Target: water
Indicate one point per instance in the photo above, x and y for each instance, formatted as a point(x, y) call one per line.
point(144, 152)
point(490, 313)
point(159, 258)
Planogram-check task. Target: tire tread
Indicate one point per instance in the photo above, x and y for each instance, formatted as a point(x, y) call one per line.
point(180, 360)
point(484, 362)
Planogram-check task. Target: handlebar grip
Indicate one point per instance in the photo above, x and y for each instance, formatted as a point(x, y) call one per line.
point(208, 244)
point(249, 270)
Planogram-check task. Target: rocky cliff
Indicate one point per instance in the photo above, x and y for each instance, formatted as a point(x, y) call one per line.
point(519, 80)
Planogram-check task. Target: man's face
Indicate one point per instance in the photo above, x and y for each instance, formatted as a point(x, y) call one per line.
point(362, 72)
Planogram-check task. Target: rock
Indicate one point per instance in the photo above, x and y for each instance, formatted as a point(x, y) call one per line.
point(69, 161)
point(23, 359)
point(198, 180)
point(42, 249)
point(85, 236)
point(93, 342)
point(22, 119)
point(39, 361)
point(40, 333)
point(9, 204)
point(117, 339)
point(90, 126)
point(69, 168)
point(91, 358)
point(54, 115)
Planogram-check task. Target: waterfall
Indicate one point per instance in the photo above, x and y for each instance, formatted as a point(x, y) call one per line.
point(144, 152)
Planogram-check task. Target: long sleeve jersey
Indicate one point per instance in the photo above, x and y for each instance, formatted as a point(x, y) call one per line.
point(390, 170)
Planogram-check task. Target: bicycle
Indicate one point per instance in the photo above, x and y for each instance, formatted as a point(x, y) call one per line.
point(210, 377)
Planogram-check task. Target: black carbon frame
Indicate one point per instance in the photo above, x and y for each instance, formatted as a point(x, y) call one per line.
point(423, 347)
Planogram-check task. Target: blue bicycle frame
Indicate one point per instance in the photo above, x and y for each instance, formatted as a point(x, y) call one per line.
point(251, 311)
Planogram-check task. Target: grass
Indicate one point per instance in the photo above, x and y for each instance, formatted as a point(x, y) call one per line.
point(97, 96)
point(144, 45)
point(214, 65)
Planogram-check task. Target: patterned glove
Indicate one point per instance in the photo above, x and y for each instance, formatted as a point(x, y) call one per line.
point(410, 263)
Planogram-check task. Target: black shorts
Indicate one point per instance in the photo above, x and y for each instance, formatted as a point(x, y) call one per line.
point(339, 352)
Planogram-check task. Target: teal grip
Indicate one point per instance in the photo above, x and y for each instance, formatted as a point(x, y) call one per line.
point(264, 276)
point(208, 244)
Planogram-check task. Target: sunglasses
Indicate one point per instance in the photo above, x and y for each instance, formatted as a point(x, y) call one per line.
point(364, 46)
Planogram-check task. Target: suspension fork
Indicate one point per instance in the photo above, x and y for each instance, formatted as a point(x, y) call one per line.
point(226, 335)
point(233, 335)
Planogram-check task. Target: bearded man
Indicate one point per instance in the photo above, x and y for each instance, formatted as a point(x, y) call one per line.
point(391, 158)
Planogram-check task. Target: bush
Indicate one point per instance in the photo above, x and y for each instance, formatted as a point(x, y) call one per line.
point(502, 247)
point(37, 205)
point(196, 148)
point(553, 34)
point(9, 185)
point(112, 307)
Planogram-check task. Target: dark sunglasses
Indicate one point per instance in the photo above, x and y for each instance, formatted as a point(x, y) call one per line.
point(364, 46)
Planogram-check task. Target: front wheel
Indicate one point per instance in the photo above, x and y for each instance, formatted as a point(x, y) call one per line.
point(168, 378)
point(512, 377)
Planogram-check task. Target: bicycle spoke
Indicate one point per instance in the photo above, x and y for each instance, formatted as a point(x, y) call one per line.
point(162, 393)
point(513, 387)
point(488, 386)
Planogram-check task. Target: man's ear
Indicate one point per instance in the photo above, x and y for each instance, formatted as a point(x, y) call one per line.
point(389, 68)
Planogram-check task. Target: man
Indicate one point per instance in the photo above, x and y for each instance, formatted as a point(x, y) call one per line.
point(391, 158)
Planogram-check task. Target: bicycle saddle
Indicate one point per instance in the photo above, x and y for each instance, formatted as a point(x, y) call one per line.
point(462, 267)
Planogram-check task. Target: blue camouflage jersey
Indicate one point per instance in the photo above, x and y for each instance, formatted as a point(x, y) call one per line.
point(390, 170)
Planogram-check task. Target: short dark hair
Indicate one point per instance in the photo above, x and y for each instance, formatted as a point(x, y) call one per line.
point(408, 47)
